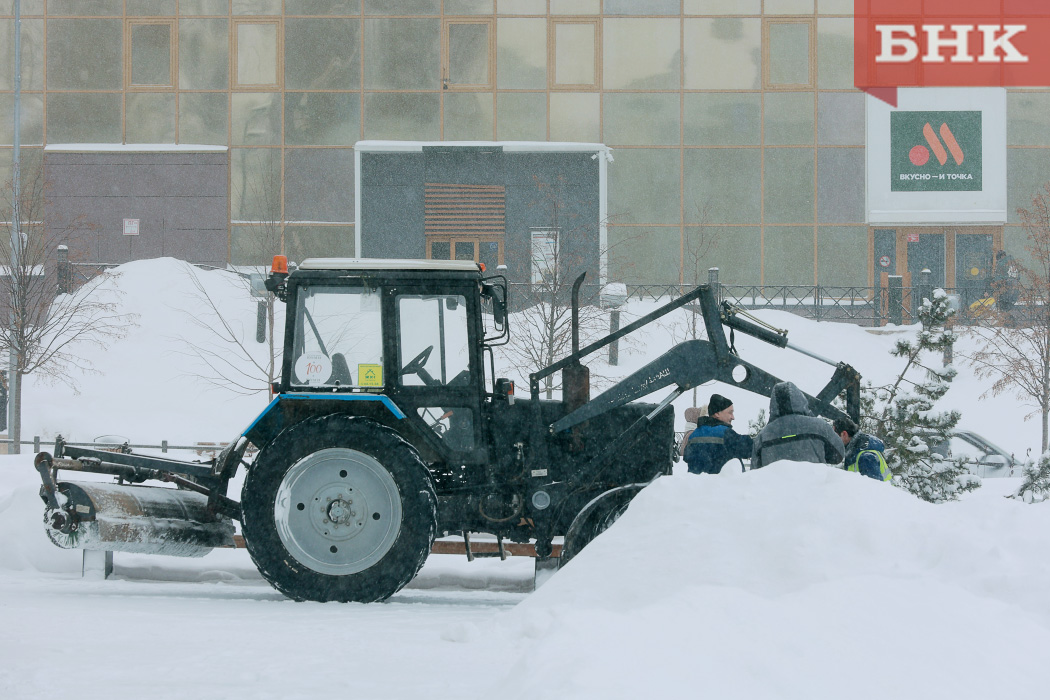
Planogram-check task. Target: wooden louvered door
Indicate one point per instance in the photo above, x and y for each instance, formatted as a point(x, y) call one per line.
point(465, 222)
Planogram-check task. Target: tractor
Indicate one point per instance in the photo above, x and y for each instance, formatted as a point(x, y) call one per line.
point(389, 429)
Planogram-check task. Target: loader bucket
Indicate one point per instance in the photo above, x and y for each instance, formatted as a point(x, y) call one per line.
point(140, 519)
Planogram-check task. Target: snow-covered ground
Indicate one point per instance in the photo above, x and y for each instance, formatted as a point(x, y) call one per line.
point(796, 581)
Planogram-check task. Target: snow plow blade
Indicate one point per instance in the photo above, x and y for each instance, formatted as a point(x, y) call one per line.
point(139, 519)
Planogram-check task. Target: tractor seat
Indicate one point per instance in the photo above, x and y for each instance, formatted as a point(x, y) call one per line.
point(340, 371)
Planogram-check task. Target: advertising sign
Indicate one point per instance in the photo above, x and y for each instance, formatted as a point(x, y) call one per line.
point(935, 151)
point(949, 43)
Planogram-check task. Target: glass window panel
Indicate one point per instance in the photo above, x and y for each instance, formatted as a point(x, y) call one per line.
point(835, 7)
point(835, 53)
point(1028, 119)
point(465, 250)
point(31, 129)
point(723, 7)
point(256, 54)
point(840, 118)
point(256, 7)
point(468, 7)
point(322, 7)
point(842, 255)
point(403, 7)
point(255, 118)
point(723, 53)
point(319, 184)
point(322, 118)
point(468, 116)
point(417, 62)
point(440, 250)
point(575, 7)
point(644, 255)
point(32, 54)
point(322, 54)
point(788, 251)
point(202, 118)
point(203, 54)
point(150, 8)
point(302, 242)
point(521, 7)
point(723, 119)
point(840, 185)
point(641, 54)
point(151, 54)
point(468, 54)
point(789, 7)
point(86, 8)
point(413, 116)
point(642, 7)
point(789, 53)
point(29, 7)
point(788, 185)
point(150, 118)
point(255, 184)
point(723, 185)
point(85, 54)
point(789, 118)
point(575, 47)
point(204, 7)
point(642, 119)
point(521, 53)
point(255, 244)
point(575, 116)
point(735, 250)
point(520, 116)
point(644, 186)
point(83, 118)
point(1026, 173)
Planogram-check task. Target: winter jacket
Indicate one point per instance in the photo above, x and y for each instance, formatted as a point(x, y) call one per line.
point(714, 443)
point(862, 455)
point(794, 433)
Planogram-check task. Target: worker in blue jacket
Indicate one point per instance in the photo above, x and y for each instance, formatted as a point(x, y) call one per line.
point(714, 441)
point(864, 453)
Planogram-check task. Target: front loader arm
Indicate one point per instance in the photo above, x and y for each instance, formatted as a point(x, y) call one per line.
point(695, 362)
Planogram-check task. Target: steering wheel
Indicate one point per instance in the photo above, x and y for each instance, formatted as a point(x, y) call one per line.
point(417, 362)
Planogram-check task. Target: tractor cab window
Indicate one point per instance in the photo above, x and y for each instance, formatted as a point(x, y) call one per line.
point(432, 340)
point(338, 338)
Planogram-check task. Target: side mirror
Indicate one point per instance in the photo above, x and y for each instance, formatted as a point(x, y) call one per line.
point(497, 294)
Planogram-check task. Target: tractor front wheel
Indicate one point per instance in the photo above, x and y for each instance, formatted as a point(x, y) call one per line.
point(338, 508)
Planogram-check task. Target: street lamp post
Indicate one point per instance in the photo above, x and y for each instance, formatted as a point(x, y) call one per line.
point(16, 227)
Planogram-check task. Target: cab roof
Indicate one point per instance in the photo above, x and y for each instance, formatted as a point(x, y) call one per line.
point(388, 264)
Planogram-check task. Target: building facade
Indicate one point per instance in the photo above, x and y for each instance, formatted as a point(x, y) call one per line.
point(737, 138)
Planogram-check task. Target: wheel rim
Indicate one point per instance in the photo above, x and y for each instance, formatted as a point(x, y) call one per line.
point(338, 511)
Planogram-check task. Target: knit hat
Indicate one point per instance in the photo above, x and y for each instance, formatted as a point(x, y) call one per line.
point(717, 404)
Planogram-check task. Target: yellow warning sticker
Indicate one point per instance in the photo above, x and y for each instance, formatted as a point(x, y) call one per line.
point(369, 375)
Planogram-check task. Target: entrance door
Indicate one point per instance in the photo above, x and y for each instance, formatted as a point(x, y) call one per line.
point(973, 265)
point(483, 249)
point(925, 252)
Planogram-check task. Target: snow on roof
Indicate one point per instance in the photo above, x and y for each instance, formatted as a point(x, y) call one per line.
point(520, 146)
point(387, 264)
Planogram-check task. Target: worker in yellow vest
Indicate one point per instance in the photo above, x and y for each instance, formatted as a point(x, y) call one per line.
point(864, 453)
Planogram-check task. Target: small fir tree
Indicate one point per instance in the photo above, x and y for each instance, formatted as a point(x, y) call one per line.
point(1036, 485)
point(902, 412)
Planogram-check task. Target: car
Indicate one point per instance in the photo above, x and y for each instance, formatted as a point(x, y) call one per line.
point(987, 459)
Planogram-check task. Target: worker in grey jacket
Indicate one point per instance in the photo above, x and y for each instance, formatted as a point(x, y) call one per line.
point(794, 433)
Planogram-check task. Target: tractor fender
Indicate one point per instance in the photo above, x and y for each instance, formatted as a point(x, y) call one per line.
point(597, 516)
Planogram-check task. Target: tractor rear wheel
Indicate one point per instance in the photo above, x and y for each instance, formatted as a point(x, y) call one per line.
point(595, 518)
point(338, 508)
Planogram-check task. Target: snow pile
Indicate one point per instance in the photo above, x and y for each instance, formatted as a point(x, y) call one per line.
point(146, 387)
point(797, 580)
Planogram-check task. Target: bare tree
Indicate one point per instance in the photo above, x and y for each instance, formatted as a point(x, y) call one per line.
point(229, 357)
point(44, 332)
point(543, 329)
point(1015, 345)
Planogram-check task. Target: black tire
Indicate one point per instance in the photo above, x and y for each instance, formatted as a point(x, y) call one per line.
point(300, 517)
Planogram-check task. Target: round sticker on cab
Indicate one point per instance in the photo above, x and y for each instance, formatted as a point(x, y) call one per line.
point(313, 368)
